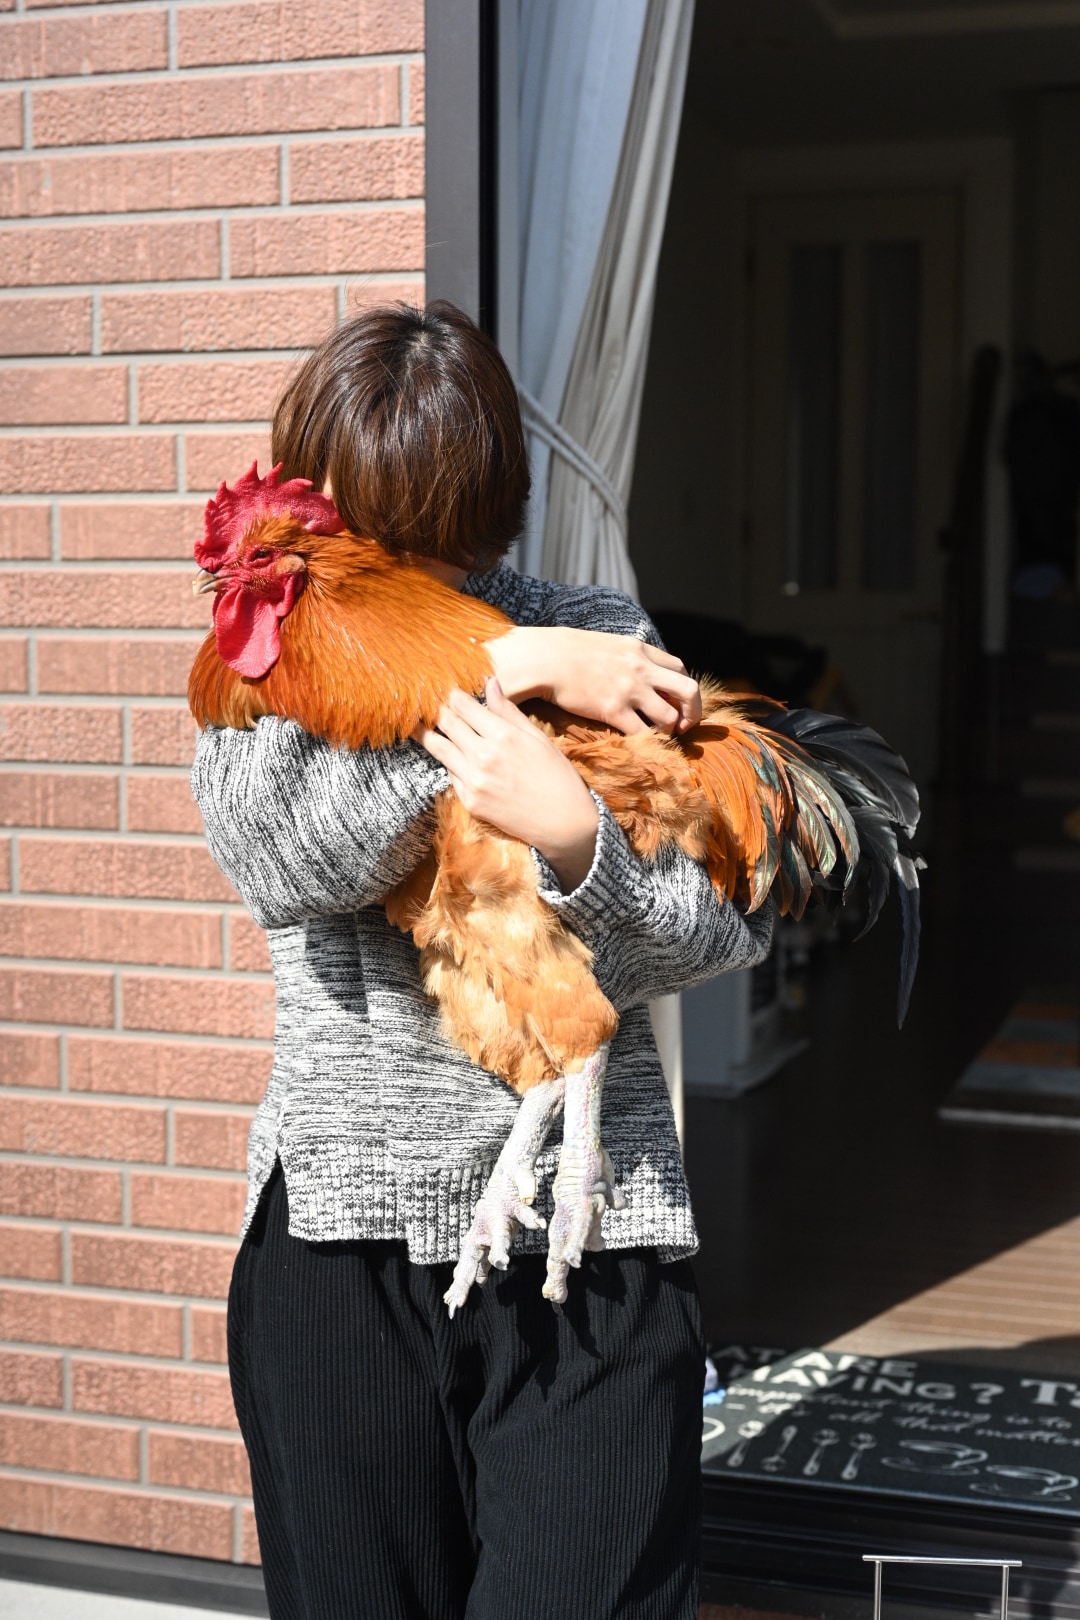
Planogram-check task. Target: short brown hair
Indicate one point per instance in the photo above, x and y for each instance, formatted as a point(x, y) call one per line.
point(413, 417)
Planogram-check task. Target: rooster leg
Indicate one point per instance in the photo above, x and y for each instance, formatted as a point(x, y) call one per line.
point(506, 1202)
point(585, 1182)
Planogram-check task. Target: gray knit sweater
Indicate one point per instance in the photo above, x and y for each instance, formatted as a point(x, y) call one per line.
point(384, 1129)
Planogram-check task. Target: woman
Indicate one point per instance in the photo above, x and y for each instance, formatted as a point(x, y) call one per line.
point(511, 1462)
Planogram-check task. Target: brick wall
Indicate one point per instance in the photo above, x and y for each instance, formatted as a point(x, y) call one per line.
point(190, 192)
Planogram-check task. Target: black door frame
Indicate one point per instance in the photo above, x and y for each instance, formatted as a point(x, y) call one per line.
point(461, 47)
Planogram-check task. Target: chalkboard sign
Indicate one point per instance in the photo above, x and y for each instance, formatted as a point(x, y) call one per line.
point(907, 1427)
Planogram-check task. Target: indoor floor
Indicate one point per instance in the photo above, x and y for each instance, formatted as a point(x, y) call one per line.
point(837, 1210)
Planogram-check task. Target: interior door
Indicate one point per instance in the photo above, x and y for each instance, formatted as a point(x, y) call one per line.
point(854, 417)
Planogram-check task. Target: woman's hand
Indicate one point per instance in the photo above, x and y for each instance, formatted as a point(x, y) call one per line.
point(507, 772)
point(617, 679)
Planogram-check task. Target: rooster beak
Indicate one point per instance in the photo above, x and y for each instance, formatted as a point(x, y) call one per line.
point(204, 581)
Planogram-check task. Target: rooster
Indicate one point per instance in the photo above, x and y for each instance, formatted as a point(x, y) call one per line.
point(326, 628)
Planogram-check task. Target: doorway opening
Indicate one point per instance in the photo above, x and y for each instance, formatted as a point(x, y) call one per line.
point(872, 228)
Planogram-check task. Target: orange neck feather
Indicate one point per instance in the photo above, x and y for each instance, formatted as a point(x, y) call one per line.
point(372, 647)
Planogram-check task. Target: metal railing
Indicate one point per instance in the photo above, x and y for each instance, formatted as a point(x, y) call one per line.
point(1004, 1564)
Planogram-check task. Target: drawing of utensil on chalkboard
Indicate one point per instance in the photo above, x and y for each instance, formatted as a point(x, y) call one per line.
point(822, 1441)
point(1036, 1484)
point(777, 1461)
point(711, 1429)
point(747, 1431)
point(937, 1457)
point(859, 1444)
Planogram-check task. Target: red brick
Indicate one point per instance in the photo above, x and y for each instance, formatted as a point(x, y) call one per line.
point(25, 532)
point(88, 1322)
point(66, 1446)
point(416, 92)
point(45, 325)
point(55, 47)
point(48, 731)
point(82, 1129)
point(379, 167)
point(99, 600)
point(216, 319)
point(128, 870)
point(136, 529)
point(209, 1338)
point(13, 665)
point(212, 1141)
point(163, 736)
point(29, 1060)
point(186, 1203)
point(211, 390)
point(248, 950)
point(11, 118)
point(57, 463)
point(132, 182)
point(249, 1537)
point(161, 804)
point(295, 30)
point(44, 996)
point(110, 934)
point(361, 295)
point(48, 799)
point(28, 1379)
point(166, 1394)
point(32, 1251)
point(169, 1069)
point(65, 395)
point(198, 1463)
point(154, 1266)
point(356, 97)
point(61, 1193)
point(56, 255)
point(5, 864)
point(119, 1518)
point(149, 667)
point(198, 1006)
point(210, 457)
point(327, 244)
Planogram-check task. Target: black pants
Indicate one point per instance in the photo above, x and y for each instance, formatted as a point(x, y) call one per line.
point(509, 1465)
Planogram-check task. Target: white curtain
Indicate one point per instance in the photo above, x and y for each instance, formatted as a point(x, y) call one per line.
point(601, 100)
point(578, 62)
point(601, 90)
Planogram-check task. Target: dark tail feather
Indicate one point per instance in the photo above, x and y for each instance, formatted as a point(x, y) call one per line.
point(907, 883)
point(874, 783)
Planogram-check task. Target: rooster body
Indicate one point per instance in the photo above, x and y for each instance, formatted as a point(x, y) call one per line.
point(327, 629)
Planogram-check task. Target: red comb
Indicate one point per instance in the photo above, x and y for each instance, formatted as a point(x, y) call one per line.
point(231, 512)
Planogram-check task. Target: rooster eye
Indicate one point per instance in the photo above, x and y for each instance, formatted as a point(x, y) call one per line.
point(261, 555)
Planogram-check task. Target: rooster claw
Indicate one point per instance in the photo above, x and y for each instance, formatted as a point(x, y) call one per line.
point(584, 1189)
point(505, 1205)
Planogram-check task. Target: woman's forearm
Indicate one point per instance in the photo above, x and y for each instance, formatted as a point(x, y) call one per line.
point(619, 679)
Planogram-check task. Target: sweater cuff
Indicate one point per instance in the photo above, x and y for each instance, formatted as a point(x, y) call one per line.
point(602, 891)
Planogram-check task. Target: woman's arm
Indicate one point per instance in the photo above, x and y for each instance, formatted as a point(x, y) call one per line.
point(615, 677)
point(653, 927)
point(506, 772)
point(304, 830)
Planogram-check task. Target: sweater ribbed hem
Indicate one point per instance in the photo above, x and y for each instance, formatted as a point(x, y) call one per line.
point(342, 1191)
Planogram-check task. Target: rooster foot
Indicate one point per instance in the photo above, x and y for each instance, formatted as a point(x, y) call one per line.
point(584, 1183)
point(507, 1200)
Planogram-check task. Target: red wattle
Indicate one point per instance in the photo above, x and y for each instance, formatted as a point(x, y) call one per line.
point(247, 628)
